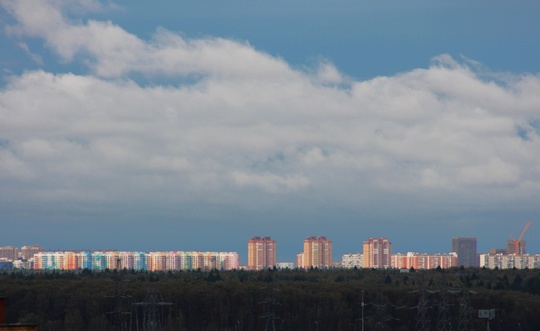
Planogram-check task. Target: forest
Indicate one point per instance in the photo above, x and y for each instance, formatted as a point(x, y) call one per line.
point(334, 299)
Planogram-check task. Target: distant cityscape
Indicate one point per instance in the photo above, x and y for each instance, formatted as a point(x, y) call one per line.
point(261, 251)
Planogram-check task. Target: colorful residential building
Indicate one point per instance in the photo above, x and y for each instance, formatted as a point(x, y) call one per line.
point(420, 261)
point(261, 253)
point(377, 253)
point(153, 261)
point(317, 253)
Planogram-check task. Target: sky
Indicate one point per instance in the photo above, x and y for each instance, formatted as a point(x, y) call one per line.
point(196, 125)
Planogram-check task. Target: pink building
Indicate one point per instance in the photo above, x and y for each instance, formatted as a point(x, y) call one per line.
point(424, 261)
point(377, 253)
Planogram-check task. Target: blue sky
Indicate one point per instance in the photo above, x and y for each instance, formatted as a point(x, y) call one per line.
point(195, 125)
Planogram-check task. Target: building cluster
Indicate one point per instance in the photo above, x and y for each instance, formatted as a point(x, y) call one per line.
point(377, 253)
point(262, 252)
point(464, 253)
point(152, 261)
point(101, 260)
point(12, 257)
point(13, 253)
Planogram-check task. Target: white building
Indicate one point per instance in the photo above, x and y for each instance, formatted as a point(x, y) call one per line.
point(285, 265)
point(352, 260)
point(509, 261)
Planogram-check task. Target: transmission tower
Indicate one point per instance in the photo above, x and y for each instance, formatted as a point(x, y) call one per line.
point(269, 309)
point(381, 310)
point(269, 314)
point(422, 313)
point(443, 314)
point(465, 311)
point(153, 311)
point(121, 317)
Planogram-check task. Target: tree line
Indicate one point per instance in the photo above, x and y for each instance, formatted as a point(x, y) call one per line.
point(440, 299)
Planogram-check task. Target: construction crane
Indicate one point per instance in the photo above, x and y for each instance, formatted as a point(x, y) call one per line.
point(516, 246)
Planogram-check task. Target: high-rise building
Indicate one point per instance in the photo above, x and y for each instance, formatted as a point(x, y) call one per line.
point(300, 260)
point(9, 252)
point(317, 253)
point(466, 251)
point(27, 252)
point(516, 247)
point(377, 253)
point(261, 253)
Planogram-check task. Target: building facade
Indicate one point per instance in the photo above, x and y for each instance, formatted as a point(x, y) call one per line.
point(421, 261)
point(300, 260)
point(516, 247)
point(285, 265)
point(152, 261)
point(261, 253)
point(352, 260)
point(510, 261)
point(317, 253)
point(9, 252)
point(27, 252)
point(465, 247)
point(377, 253)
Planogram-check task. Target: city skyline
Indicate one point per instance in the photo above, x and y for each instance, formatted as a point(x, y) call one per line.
point(358, 246)
point(261, 253)
point(377, 254)
point(181, 126)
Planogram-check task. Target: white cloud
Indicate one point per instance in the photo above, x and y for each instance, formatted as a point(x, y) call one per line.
point(12, 169)
point(491, 172)
point(248, 121)
point(113, 52)
point(36, 58)
point(270, 182)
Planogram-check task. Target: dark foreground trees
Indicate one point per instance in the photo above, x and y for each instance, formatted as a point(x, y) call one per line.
point(282, 300)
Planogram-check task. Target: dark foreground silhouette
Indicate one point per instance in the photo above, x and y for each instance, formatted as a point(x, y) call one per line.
point(274, 299)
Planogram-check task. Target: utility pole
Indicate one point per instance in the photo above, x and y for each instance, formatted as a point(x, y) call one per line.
point(362, 304)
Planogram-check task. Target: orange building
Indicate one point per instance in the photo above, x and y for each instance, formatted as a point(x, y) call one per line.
point(317, 253)
point(377, 253)
point(261, 253)
point(420, 261)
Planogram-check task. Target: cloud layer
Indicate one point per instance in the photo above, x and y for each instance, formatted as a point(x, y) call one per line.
point(233, 125)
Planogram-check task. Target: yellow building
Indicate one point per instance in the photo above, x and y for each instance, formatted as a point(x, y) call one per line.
point(261, 253)
point(317, 253)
